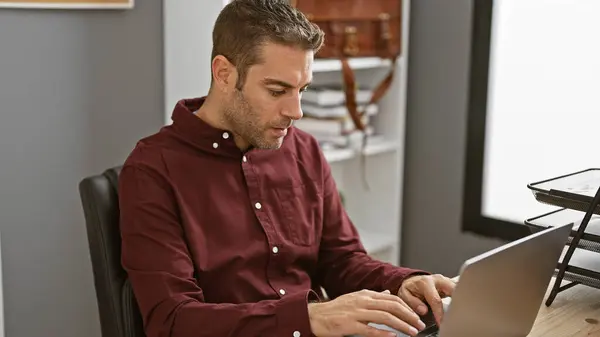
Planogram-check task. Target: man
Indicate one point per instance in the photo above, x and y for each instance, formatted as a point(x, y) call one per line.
point(230, 218)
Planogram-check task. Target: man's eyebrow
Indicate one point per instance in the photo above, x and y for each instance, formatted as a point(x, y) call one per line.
point(271, 81)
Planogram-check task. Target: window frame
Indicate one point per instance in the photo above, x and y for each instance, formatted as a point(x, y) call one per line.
point(473, 221)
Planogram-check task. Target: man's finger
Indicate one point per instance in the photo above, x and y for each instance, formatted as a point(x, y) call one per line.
point(386, 296)
point(445, 286)
point(382, 317)
point(398, 308)
point(414, 302)
point(432, 297)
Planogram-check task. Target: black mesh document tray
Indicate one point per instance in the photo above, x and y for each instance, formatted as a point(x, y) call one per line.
point(582, 268)
point(574, 191)
point(590, 239)
point(578, 195)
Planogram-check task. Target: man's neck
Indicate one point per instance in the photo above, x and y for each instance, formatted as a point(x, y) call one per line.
point(211, 113)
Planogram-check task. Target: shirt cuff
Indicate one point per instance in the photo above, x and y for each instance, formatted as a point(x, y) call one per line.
point(292, 315)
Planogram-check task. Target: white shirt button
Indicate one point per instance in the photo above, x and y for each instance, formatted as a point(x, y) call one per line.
point(258, 205)
point(275, 250)
point(215, 145)
point(296, 334)
point(282, 292)
point(225, 135)
point(244, 159)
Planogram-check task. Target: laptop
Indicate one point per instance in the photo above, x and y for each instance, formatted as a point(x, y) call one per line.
point(499, 293)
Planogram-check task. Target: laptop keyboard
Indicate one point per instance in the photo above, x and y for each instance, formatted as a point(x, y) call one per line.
point(429, 321)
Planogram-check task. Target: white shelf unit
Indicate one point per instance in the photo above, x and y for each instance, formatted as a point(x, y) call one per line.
point(356, 63)
point(378, 245)
point(376, 212)
point(338, 155)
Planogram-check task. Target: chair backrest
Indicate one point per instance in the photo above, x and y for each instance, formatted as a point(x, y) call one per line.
point(119, 312)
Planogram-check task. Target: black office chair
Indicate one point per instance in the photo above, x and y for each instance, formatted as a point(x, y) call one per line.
point(119, 312)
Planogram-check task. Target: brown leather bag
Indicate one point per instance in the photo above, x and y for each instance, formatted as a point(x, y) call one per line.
point(357, 28)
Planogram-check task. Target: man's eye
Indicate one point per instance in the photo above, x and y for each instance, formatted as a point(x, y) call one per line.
point(277, 93)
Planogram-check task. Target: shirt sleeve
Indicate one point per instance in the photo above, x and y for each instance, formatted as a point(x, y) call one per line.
point(344, 266)
point(160, 268)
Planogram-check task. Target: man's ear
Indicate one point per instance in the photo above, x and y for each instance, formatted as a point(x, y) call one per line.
point(224, 73)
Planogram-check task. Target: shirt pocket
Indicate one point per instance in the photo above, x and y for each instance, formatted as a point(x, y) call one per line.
point(301, 213)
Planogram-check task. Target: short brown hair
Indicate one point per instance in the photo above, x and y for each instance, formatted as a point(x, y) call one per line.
point(243, 26)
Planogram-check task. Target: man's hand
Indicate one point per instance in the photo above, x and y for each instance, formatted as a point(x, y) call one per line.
point(418, 290)
point(349, 315)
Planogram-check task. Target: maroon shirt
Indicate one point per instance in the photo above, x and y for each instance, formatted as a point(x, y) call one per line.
point(217, 242)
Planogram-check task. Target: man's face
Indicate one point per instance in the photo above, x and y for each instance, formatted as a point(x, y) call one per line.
point(269, 101)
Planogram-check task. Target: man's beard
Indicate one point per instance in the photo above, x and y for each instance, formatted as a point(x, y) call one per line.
point(245, 122)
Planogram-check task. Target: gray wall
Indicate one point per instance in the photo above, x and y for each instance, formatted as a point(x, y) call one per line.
point(435, 138)
point(77, 89)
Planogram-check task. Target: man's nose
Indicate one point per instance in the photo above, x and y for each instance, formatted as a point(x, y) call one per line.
point(293, 109)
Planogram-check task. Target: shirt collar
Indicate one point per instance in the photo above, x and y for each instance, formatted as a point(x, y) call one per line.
point(196, 132)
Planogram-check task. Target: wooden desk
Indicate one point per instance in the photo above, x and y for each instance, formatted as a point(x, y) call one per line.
point(574, 312)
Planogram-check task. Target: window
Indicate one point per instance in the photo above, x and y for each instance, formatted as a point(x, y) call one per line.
point(534, 106)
